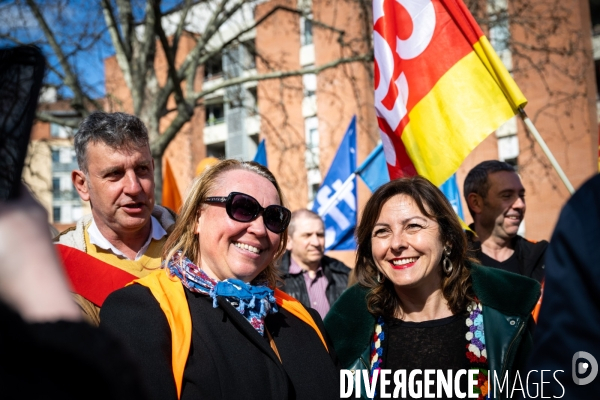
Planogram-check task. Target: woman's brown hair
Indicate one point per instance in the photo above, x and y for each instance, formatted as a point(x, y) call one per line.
point(183, 237)
point(456, 287)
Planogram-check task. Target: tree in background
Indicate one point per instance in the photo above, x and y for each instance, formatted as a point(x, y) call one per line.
point(145, 38)
point(537, 38)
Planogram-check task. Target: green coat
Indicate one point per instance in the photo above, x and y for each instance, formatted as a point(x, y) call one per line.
point(507, 299)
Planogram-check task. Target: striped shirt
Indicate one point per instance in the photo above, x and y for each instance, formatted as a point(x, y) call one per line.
point(315, 287)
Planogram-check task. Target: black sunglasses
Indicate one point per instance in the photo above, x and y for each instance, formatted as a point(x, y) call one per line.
point(244, 208)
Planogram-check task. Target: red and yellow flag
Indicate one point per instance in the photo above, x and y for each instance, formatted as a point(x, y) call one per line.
point(440, 88)
point(171, 197)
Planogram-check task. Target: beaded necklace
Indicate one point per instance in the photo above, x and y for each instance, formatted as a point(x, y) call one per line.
point(476, 350)
point(376, 349)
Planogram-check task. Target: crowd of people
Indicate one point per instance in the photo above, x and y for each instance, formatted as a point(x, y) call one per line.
point(233, 296)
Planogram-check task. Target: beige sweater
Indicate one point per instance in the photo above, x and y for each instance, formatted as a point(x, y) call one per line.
point(77, 237)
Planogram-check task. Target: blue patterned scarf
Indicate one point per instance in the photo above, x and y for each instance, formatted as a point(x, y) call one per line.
point(254, 302)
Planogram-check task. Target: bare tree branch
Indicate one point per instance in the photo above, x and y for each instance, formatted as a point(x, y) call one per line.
point(123, 56)
point(148, 45)
point(191, 60)
point(127, 26)
point(45, 116)
point(283, 74)
point(172, 71)
point(182, 21)
point(70, 78)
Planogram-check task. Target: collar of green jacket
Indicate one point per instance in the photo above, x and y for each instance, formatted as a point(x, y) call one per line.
point(350, 325)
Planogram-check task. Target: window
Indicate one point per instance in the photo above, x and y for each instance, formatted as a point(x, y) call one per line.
point(250, 50)
point(213, 68)
point(60, 131)
point(312, 139)
point(55, 156)
point(311, 156)
point(499, 33)
point(215, 114)
point(508, 147)
point(253, 102)
point(56, 214)
point(306, 32)
point(312, 148)
point(312, 191)
point(313, 178)
point(56, 187)
point(309, 82)
point(54, 130)
point(216, 150)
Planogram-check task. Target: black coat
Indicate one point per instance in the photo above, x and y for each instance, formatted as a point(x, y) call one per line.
point(228, 359)
point(62, 360)
point(334, 270)
point(530, 255)
point(569, 320)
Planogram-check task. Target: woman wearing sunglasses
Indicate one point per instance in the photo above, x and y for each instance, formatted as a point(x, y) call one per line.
point(208, 324)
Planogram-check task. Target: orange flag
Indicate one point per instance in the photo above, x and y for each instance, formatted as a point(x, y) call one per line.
point(170, 194)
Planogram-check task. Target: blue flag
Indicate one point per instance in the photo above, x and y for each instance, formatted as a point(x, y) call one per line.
point(335, 201)
point(373, 170)
point(261, 154)
point(450, 190)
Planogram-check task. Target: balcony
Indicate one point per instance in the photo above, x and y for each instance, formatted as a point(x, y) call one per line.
point(64, 195)
point(253, 125)
point(309, 106)
point(215, 133)
point(64, 167)
point(307, 55)
point(215, 121)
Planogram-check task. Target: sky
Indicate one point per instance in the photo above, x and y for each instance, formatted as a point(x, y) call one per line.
point(80, 30)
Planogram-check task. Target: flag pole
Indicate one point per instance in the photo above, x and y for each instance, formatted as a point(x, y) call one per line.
point(333, 200)
point(532, 129)
point(369, 159)
point(358, 172)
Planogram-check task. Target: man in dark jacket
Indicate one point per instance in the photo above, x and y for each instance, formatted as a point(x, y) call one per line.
point(496, 200)
point(567, 335)
point(310, 276)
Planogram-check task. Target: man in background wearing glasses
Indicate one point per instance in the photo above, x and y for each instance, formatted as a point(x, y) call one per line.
point(310, 276)
point(123, 237)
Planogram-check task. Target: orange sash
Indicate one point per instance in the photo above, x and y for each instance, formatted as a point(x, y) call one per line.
point(171, 297)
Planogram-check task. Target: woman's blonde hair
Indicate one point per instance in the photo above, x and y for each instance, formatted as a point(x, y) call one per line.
point(183, 237)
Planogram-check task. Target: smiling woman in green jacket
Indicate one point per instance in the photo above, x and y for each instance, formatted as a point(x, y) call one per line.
point(421, 304)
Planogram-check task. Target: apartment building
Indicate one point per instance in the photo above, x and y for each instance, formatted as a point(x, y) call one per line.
point(303, 118)
point(50, 160)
